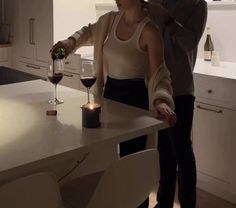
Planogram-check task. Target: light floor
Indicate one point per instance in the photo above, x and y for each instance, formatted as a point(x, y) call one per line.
point(204, 200)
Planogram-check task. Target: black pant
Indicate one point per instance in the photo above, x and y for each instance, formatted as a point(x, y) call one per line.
point(132, 92)
point(176, 156)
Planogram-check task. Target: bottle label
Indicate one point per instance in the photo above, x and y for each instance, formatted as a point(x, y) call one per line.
point(207, 55)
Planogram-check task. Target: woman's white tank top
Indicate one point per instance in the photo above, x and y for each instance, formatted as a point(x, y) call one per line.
point(124, 59)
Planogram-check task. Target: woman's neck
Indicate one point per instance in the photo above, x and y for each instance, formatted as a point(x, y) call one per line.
point(133, 15)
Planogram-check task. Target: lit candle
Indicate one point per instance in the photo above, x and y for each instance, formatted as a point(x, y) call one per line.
point(91, 115)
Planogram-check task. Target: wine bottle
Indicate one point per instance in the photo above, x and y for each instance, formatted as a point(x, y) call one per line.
point(56, 74)
point(208, 46)
point(58, 53)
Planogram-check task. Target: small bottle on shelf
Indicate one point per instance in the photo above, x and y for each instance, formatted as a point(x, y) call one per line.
point(215, 58)
point(208, 46)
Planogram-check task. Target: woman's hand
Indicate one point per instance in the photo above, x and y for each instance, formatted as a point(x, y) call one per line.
point(164, 112)
point(67, 44)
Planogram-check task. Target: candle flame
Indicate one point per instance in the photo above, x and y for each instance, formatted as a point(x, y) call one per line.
point(91, 106)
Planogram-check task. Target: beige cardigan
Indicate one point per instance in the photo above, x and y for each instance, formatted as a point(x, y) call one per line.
point(159, 85)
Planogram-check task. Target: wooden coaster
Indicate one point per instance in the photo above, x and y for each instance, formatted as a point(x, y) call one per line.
point(51, 112)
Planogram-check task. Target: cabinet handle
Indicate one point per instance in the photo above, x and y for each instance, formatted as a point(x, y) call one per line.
point(67, 62)
point(209, 91)
point(208, 109)
point(31, 31)
point(68, 75)
point(31, 66)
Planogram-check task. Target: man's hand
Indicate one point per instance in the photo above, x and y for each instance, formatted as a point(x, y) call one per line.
point(157, 11)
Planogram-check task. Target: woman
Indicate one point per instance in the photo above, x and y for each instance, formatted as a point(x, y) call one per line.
point(128, 54)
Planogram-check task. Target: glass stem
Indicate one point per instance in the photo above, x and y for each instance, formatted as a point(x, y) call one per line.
point(88, 94)
point(55, 91)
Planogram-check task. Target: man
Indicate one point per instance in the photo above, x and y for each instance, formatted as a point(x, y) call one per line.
point(182, 23)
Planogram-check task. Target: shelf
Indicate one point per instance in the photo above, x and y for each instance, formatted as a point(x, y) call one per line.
point(106, 6)
point(222, 5)
point(221, 2)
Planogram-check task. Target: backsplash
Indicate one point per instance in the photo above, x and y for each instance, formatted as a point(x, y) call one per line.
point(221, 20)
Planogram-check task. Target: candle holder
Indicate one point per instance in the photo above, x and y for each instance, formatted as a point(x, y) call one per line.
point(91, 115)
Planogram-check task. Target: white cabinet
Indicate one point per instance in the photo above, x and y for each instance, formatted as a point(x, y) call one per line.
point(38, 25)
point(214, 135)
point(71, 74)
point(35, 32)
point(5, 56)
point(70, 80)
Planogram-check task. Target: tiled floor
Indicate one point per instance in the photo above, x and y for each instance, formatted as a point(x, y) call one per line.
point(204, 200)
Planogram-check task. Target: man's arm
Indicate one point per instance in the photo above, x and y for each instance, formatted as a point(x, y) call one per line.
point(189, 34)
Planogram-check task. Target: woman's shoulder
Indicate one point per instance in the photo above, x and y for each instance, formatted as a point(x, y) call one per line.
point(151, 34)
point(110, 14)
point(151, 28)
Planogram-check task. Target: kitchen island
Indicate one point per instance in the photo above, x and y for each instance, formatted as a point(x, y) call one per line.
point(31, 141)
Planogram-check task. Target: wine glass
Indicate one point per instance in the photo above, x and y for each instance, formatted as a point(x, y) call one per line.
point(55, 74)
point(88, 75)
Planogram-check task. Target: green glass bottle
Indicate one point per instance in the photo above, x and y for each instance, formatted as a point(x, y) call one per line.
point(208, 46)
point(58, 53)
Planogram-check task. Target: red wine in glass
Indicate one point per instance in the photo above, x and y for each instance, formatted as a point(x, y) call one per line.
point(55, 78)
point(88, 75)
point(55, 74)
point(88, 81)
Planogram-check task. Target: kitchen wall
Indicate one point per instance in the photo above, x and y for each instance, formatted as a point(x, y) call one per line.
point(81, 12)
point(221, 19)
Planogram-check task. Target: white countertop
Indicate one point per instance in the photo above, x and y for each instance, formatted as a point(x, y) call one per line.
point(28, 136)
point(225, 70)
point(86, 52)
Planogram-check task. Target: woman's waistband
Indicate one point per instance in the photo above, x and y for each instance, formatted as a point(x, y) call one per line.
point(118, 81)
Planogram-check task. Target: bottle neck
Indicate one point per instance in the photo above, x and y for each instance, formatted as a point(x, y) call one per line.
point(208, 32)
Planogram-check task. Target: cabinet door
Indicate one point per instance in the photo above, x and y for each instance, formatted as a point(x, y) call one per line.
point(36, 26)
point(214, 144)
point(71, 80)
point(26, 22)
point(4, 56)
point(43, 30)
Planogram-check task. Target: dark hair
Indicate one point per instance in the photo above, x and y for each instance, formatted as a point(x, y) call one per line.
point(143, 3)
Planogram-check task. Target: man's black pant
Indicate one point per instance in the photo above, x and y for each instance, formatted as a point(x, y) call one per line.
point(176, 156)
